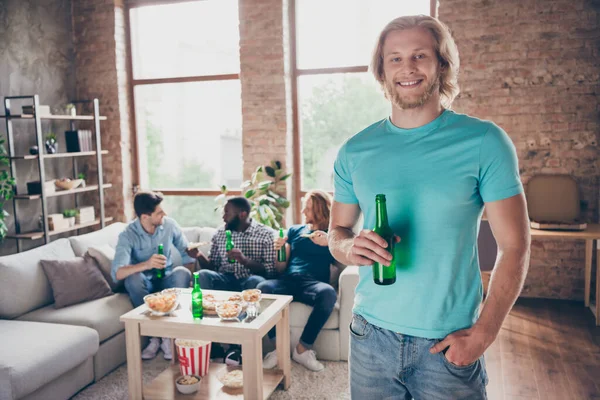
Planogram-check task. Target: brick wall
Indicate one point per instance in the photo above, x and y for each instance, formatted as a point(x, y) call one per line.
point(265, 79)
point(531, 66)
point(101, 71)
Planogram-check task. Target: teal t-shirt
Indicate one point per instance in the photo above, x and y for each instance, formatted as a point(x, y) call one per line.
point(436, 179)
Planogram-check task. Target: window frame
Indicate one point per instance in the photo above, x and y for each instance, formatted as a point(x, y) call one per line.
point(297, 190)
point(199, 192)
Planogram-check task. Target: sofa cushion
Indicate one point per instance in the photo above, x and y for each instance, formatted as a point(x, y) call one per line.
point(75, 281)
point(104, 256)
point(101, 315)
point(109, 235)
point(299, 314)
point(36, 354)
point(23, 284)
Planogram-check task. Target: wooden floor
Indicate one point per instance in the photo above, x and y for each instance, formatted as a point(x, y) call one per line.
point(547, 349)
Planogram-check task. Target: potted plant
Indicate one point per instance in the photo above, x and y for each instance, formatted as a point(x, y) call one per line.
point(51, 143)
point(70, 109)
point(81, 176)
point(7, 185)
point(70, 214)
point(265, 192)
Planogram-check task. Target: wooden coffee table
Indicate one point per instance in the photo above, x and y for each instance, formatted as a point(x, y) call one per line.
point(258, 383)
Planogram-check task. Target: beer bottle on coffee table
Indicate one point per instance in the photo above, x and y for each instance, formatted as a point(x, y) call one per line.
point(229, 244)
point(159, 272)
point(197, 310)
point(383, 275)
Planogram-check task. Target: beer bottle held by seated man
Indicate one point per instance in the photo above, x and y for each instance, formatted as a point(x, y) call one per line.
point(229, 244)
point(384, 275)
point(159, 273)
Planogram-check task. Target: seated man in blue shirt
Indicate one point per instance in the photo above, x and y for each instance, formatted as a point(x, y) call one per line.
point(305, 275)
point(137, 259)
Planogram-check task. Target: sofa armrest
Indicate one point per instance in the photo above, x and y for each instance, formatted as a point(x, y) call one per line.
point(348, 281)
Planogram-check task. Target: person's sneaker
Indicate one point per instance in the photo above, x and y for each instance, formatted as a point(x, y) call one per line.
point(150, 351)
point(308, 360)
point(165, 346)
point(234, 357)
point(270, 360)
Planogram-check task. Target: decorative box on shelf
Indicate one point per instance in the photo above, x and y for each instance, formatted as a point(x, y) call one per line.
point(36, 187)
point(57, 222)
point(42, 110)
point(86, 214)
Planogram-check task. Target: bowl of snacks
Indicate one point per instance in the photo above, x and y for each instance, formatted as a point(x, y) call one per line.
point(187, 384)
point(232, 377)
point(229, 310)
point(67, 183)
point(251, 295)
point(236, 298)
point(161, 303)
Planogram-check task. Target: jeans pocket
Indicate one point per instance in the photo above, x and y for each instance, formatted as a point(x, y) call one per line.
point(359, 327)
point(458, 367)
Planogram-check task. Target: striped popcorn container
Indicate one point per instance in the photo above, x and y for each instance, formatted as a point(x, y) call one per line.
point(194, 356)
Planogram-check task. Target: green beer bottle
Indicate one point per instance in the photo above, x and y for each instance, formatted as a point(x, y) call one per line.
point(197, 311)
point(383, 275)
point(281, 256)
point(159, 272)
point(229, 244)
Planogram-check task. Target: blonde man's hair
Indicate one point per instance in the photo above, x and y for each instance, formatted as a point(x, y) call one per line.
point(445, 48)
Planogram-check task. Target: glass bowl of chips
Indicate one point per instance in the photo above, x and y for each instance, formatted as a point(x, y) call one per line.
point(229, 310)
point(161, 303)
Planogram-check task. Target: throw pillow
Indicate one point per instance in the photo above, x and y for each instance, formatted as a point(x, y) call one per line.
point(104, 255)
point(75, 281)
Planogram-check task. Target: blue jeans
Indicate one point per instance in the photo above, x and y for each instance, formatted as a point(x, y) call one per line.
point(321, 296)
point(139, 284)
point(389, 365)
point(214, 280)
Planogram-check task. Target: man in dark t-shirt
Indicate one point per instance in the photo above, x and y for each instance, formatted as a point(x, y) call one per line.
point(305, 275)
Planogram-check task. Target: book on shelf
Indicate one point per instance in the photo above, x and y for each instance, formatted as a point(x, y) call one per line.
point(79, 140)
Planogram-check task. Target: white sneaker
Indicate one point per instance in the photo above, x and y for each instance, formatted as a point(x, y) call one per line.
point(150, 351)
point(308, 360)
point(270, 360)
point(165, 346)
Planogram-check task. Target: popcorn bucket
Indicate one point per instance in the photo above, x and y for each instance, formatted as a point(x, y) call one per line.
point(194, 356)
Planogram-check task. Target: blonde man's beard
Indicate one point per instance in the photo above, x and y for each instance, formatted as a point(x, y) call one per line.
point(392, 94)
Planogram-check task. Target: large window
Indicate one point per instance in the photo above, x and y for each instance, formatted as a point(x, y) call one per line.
point(187, 103)
point(336, 96)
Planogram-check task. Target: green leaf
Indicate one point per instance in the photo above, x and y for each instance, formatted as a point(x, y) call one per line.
point(264, 185)
point(283, 178)
point(246, 184)
point(277, 165)
point(270, 171)
point(223, 189)
point(249, 193)
point(221, 197)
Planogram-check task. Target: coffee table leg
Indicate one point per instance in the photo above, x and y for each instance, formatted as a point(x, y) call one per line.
point(253, 368)
point(134, 360)
point(589, 248)
point(283, 346)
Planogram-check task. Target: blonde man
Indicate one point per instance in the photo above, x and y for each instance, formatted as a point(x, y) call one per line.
point(423, 337)
point(305, 275)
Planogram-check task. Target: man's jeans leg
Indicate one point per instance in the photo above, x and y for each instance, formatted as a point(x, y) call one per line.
point(138, 285)
point(273, 286)
point(251, 282)
point(179, 277)
point(213, 280)
point(389, 365)
point(322, 297)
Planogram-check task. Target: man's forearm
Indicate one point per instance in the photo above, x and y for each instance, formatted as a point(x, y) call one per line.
point(205, 262)
point(127, 270)
point(256, 267)
point(340, 241)
point(504, 288)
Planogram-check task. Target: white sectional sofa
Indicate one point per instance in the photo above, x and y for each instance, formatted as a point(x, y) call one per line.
point(48, 353)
